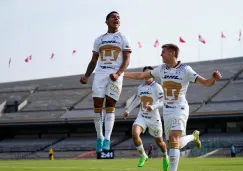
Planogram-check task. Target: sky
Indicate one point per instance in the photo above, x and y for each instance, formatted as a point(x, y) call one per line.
point(42, 27)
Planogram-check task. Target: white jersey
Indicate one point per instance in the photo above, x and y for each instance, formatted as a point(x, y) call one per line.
point(149, 95)
point(110, 47)
point(175, 82)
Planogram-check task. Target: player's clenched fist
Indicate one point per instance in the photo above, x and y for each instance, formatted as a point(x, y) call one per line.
point(216, 75)
point(84, 80)
point(149, 108)
point(125, 115)
point(114, 76)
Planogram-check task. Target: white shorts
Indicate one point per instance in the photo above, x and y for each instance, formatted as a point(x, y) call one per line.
point(103, 85)
point(154, 125)
point(176, 121)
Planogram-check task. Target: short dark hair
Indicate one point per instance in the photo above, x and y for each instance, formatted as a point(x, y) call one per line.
point(112, 12)
point(172, 47)
point(147, 67)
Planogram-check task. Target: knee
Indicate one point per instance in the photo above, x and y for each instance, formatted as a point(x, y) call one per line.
point(174, 138)
point(135, 135)
point(174, 141)
point(158, 141)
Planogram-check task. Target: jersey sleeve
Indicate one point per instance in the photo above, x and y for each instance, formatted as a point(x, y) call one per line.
point(96, 45)
point(138, 91)
point(156, 73)
point(126, 44)
point(191, 74)
point(160, 92)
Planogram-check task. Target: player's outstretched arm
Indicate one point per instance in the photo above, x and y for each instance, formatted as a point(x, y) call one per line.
point(209, 82)
point(90, 68)
point(133, 105)
point(138, 75)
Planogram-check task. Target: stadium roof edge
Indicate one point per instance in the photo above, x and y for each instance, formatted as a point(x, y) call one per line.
point(90, 121)
point(225, 60)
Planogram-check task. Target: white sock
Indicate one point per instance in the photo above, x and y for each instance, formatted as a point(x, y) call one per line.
point(98, 121)
point(185, 140)
point(174, 158)
point(139, 148)
point(109, 123)
point(164, 155)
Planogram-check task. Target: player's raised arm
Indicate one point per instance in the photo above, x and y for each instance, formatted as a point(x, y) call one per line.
point(90, 68)
point(209, 82)
point(194, 77)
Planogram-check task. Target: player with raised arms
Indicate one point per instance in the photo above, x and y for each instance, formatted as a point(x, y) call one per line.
point(175, 78)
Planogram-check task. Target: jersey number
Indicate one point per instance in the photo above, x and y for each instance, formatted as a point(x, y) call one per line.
point(145, 101)
point(171, 90)
point(109, 53)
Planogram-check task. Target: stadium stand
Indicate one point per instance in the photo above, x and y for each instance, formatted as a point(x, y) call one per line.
point(241, 75)
point(68, 103)
point(64, 93)
point(232, 92)
point(12, 96)
point(199, 94)
point(221, 108)
point(34, 116)
point(53, 100)
point(28, 144)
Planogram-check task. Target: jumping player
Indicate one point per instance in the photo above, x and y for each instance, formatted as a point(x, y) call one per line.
point(175, 78)
point(150, 97)
point(112, 54)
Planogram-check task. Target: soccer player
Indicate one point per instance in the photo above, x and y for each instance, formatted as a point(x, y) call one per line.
point(112, 53)
point(150, 98)
point(175, 78)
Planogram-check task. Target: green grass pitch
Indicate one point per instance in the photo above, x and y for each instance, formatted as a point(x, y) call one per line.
point(186, 164)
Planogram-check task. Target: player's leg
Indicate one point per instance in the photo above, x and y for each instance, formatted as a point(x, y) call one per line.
point(174, 127)
point(98, 94)
point(113, 91)
point(136, 131)
point(185, 139)
point(188, 138)
point(98, 121)
point(174, 145)
point(155, 129)
point(162, 145)
point(137, 128)
point(109, 121)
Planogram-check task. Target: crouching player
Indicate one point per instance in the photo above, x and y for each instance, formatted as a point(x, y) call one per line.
point(149, 96)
